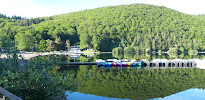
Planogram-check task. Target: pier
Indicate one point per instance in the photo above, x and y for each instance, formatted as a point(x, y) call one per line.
point(157, 63)
point(176, 63)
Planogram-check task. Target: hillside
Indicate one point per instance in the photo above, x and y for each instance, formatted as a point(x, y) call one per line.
point(137, 25)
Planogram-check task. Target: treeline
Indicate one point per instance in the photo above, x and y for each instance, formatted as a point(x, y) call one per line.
point(13, 17)
point(151, 56)
point(138, 83)
point(20, 21)
point(139, 26)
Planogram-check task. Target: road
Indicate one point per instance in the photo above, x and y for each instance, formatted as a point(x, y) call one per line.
point(27, 56)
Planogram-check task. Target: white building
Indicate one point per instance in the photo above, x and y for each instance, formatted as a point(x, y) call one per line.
point(75, 49)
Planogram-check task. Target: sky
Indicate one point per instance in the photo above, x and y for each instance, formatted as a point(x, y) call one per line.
point(42, 8)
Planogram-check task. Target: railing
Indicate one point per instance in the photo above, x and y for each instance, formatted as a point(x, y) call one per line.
point(7, 94)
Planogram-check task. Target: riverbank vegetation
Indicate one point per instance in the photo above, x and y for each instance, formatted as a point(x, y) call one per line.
point(145, 27)
point(32, 80)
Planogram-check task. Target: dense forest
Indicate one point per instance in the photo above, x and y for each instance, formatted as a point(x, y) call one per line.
point(140, 27)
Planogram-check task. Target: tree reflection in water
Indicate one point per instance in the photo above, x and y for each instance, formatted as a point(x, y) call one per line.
point(138, 83)
point(134, 83)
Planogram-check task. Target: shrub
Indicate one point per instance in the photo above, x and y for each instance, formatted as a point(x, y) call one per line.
point(118, 50)
point(129, 50)
point(192, 52)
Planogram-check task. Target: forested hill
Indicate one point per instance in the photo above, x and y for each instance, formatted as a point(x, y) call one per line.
point(137, 25)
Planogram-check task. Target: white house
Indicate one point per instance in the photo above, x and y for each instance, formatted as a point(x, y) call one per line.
point(75, 49)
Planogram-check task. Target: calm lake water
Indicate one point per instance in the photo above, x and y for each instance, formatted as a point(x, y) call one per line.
point(117, 84)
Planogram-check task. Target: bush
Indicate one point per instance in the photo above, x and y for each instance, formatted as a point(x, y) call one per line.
point(129, 50)
point(30, 80)
point(192, 52)
point(172, 52)
point(159, 52)
point(118, 50)
point(137, 49)
point(181, 49)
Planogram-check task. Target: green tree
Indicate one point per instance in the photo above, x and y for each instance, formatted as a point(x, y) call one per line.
point(50, 45)
point(42, 45)
point(67, 44)
point(129, 49)
point(24, 41)
point(6, 42)
point(181, 49)
point(85, 39)
point(60, 45)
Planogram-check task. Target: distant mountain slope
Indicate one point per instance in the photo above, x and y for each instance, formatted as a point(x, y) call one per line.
point(137, 25)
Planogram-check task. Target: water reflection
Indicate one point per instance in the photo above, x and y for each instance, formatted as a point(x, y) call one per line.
point(150, 57)
point(82, 96)
point(190, 94)
point(156, 56)
point(130, 83)
point(136, 83)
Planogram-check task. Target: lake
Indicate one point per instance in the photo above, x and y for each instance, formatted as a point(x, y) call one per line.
point(92, 83)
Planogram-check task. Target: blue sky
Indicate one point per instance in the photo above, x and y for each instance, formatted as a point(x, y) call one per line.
point(39, 8)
